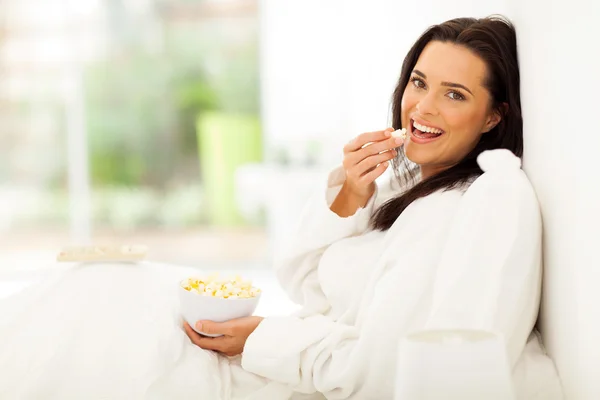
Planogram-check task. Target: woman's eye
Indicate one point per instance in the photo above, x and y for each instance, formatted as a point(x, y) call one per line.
point(418, 83)
point(456, 96)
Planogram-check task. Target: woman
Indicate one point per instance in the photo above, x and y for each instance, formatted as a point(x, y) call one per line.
point(457, 245)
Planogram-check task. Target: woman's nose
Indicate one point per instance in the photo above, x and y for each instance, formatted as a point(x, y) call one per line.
point(427, 105)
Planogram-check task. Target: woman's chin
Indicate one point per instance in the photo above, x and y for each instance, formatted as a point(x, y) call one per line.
point(417, 155)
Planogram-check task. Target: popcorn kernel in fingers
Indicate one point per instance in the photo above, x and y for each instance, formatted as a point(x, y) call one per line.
point(401, 133)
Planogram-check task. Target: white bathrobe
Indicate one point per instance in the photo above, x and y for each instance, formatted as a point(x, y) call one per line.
point(466, 259)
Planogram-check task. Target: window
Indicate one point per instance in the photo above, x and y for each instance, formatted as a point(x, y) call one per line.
point(124, 121)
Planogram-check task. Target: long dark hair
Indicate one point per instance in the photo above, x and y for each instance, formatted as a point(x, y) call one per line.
point(493, 39)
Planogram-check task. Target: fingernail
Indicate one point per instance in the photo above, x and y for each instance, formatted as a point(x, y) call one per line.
point(387, 133)
point(199, 326)
point(399, 141)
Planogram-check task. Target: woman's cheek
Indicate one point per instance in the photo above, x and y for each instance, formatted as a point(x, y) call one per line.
point(407, 102)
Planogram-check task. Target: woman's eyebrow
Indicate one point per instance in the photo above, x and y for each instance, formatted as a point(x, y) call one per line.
point(456, 85)
point(416, 71)
point(449, 84)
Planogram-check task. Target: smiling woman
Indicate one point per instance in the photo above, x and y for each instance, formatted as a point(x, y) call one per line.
point(458, 95)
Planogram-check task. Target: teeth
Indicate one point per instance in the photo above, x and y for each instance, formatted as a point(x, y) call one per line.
point(424, 128)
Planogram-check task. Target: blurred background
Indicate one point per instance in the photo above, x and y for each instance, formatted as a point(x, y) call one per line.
point(122, 121)
point(197, 127)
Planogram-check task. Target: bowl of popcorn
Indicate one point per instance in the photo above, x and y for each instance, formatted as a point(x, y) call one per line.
point(216, 299)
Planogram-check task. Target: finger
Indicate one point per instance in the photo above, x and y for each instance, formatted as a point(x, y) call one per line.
point(374, 173)
point(375, 148)
point(370, 169)
point(213, 328)
point(215, 344)
point(367, 137)
point(204, 342)
point(370, 162)
point(192, 334)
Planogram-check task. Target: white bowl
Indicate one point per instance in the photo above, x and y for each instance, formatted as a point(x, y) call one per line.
point(195, 307)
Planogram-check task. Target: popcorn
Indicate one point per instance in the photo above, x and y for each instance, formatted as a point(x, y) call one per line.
point(401, 133)
point(236, 288)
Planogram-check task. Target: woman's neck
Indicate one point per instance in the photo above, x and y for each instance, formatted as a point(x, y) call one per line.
point(427, 171)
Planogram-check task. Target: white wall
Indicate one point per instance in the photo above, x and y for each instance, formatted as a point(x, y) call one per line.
point(330, 68)
point(560, 81)
point(300, 71)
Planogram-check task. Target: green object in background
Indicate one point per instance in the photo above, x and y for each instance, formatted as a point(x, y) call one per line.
point(226, 141)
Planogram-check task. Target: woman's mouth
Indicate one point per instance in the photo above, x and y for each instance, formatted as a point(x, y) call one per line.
point(422, 133)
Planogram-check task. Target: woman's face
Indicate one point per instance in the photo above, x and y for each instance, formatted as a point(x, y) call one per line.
point(445, 92)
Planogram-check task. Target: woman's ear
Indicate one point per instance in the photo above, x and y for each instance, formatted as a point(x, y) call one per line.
point(495, 117)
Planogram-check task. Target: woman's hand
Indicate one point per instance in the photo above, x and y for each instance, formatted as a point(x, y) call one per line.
point(365, 159)
point(235, 333)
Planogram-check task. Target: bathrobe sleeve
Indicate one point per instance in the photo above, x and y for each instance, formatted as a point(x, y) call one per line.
point(488, 278)
point(319, 227)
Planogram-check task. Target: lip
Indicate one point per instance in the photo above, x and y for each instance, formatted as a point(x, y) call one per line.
point(419, 140)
